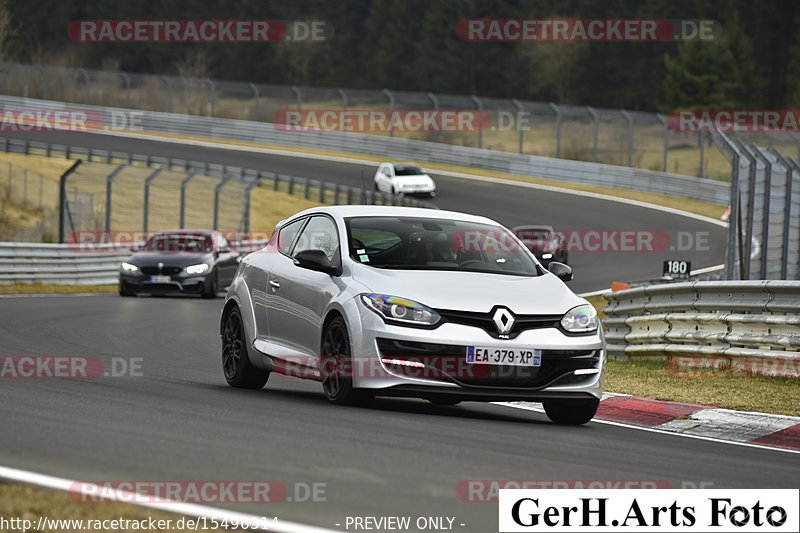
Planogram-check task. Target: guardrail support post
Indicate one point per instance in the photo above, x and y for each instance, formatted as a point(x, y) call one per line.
point(63, 203)
point(746, 247)
point(519, 125)
point(109, 186)
point(344, 98)
point(479, 106)
point(146, 212)
point(390, 97)
point(246, 214)
point(787, 210)
point(256, 96)
point(765, 221)
point(184, 182)
point(435, 101)
point(298, 97)
point(663, 121)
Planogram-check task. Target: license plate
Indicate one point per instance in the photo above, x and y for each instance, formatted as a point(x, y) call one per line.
point(160, 279)
point(483, 355)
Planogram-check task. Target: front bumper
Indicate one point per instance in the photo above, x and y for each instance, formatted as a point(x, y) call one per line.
point(178, 283)
point(395, 353)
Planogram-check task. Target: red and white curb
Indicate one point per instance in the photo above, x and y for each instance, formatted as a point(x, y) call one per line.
point(696, 420)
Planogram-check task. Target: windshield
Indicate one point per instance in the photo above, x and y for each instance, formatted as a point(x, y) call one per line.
point(179, 242)
point(407, 170)
point(416, 243)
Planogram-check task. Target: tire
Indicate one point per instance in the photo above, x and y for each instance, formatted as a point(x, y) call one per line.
point(445, 401)
point(210, 289)
point(375, 184)
point(239, 372)
point(571, 412)
point(124, 291)
point(336, 367)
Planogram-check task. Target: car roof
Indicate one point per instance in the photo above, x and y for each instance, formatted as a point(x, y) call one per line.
point(533, 227)
point(347, 211)
point(185, 232)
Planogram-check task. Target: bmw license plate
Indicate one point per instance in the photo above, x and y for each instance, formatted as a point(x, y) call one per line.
point(482, 355)
point(160, 279)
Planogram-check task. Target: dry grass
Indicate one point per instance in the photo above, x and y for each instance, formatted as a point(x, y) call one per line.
point(28, 503)
point(650, 379)
point(54, 288)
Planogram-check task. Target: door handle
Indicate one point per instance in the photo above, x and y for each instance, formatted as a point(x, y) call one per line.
point(274, 284)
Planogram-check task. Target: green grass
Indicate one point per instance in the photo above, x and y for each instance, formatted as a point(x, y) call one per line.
point(55, 288)
point(650, 379)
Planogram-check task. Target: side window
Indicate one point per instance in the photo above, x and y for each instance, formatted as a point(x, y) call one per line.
point(287, 234)
point(319, 234)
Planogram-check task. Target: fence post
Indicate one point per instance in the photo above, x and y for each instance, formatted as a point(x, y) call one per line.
point(557, 111)
point(63, 202)
point(390, 96)
point(246, 214)
point(109, 187)
point(86, 84)
point(146, 212)
point(747, 246)
point(701, 136)
point(184, 182)
point(435, 101)
point(596, 119)
point(629, 118)
point(519, 125)
point(479, 106)
point(344, 98)
point(321, 198)
point(166, 81)
point(796, 168)
point(298, 97)
point(256, 96)
point(217, 190)
point(127, 80)
point(765, 223)
point(663, 120)
point(787, 210)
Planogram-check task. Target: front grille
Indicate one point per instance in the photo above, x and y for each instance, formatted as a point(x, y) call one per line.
point(484, 321)
point(448, 363)
point(155, 271)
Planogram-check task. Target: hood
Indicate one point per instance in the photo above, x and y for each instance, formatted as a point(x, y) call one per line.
point(472, 291)
point(419, 179)
point(176, 259)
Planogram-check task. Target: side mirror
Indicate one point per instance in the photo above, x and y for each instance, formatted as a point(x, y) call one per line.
point(562, 271)
point(315, 260)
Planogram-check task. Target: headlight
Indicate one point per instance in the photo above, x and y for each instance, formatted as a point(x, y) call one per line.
point(400, 310)
point(127, 267)
point(196, 269)
point(547, 256)
point(581, 319)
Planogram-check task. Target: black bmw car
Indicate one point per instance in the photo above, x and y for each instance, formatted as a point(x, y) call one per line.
point(180, 261)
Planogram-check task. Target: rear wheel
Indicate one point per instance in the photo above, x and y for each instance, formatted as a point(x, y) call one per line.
point(337, 366)
point(571, 412)
point(236, 366)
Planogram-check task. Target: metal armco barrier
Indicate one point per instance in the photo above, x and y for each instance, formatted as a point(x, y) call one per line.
point(93, 264)
point(722, 327)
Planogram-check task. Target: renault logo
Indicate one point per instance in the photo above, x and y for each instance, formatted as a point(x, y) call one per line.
point(503, 320)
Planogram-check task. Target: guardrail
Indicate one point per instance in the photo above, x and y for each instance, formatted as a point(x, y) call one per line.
point(87, 264)
point(395, 148)
point(723, 328)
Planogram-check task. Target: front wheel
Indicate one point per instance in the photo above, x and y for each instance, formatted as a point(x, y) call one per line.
point(124, 290)
point(337, 367)
point(236, 366)
point(571, 412)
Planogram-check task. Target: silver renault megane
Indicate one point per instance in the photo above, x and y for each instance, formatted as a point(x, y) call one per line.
point(395, 301)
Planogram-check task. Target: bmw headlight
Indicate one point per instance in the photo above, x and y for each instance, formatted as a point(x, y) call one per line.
point(580, 319)
point(197, 269)
point(400, 310)
point(128, 267)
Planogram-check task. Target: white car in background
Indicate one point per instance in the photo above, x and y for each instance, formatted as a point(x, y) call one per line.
point(405, 179)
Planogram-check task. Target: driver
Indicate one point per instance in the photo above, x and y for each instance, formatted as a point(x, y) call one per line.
point(443, 251)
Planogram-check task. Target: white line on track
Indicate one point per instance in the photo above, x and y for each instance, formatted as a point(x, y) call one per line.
point(184, 509)
point(656, 430)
